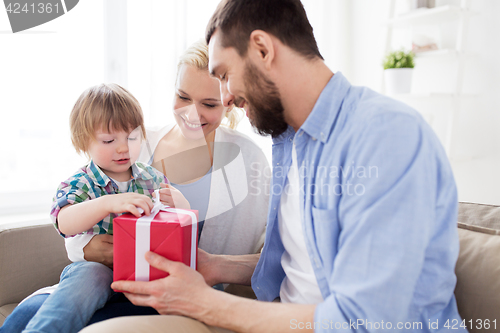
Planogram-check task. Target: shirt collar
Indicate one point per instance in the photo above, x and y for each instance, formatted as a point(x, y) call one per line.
point(97, 175)
point(139, 171)
point(319, 123)
point(284, 136)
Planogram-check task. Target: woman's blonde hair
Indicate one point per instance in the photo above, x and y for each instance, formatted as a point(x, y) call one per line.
point(103, 107)
point(197, 55)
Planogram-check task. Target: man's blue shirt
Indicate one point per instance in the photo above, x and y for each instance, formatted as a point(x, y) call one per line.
point(379, 208)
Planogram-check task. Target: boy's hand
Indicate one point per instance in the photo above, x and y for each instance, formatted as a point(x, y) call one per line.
point(128, 202)
point(172, 197)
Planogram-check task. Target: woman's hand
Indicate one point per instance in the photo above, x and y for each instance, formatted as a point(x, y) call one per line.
point(100, 249)
point(207, 267)
point(172, 197)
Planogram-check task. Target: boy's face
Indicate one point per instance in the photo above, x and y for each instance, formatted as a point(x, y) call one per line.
point(115, 152)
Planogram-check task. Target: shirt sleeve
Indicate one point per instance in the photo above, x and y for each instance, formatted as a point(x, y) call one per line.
point(387, 220)
point(74, 190)
point(74, 246)
point(159, 177)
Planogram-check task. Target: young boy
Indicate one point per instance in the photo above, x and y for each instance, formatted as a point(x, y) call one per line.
point(107, 125)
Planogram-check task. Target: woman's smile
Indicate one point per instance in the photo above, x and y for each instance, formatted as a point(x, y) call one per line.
point(192, 126)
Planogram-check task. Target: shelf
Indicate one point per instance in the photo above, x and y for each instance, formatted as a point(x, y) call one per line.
point(445, 53)
point(437, 53)
point(425, 16)
point(430, 104)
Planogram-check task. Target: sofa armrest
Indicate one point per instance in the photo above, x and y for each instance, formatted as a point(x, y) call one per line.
point(478, 266)
point(31, 257)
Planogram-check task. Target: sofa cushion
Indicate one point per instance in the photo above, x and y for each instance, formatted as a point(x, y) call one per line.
point(487, 216)
point(31, 257)
point(478, 266)
point(5, 311)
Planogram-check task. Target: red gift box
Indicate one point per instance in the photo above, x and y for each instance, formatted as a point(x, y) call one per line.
point(172, 235)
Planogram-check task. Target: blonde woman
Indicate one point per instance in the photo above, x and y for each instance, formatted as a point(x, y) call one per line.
point(219, 170)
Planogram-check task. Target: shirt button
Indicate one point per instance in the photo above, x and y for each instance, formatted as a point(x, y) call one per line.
point(301, 133)
point(314, 139)
point(322, 136)
point(291, 139)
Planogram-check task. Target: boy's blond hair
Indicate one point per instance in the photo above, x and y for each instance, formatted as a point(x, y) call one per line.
point(103, 107)
point(196, 55)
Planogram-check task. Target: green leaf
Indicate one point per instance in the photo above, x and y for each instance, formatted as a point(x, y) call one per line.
point(399, 59)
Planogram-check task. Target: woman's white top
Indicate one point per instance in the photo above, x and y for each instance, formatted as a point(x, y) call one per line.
point(239, 195)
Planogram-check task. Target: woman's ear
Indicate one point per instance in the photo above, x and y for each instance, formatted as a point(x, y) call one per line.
point(261, 48)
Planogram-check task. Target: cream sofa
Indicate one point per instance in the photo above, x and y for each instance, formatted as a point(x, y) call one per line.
point(33, 256)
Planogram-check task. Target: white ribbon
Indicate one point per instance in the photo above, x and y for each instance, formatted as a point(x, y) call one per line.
point(143, 237)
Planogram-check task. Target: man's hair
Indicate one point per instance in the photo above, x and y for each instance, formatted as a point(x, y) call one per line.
point(284, 19)
point(103, 107)
point(197, 56)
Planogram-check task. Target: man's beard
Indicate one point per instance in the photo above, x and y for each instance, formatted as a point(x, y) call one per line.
point(264, 102)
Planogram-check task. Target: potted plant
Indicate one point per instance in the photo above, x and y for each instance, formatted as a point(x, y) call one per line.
point(398, 69)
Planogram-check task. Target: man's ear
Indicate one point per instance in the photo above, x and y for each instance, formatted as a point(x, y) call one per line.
point(261, 48)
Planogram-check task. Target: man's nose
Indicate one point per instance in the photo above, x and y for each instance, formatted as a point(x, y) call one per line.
point(226, 96)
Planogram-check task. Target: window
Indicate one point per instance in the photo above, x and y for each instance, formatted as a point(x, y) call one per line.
point(43, 71)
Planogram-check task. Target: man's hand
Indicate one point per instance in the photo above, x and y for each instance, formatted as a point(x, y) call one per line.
point(172, 197)
point(128, 202)
point(100, 249)
point(183, 292)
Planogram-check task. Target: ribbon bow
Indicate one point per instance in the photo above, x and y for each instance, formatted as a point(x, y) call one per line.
point(143, 236)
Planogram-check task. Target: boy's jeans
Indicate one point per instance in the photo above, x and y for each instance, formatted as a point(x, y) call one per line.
point(84, 288)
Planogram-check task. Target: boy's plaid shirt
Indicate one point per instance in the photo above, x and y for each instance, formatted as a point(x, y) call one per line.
point(90, 183)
